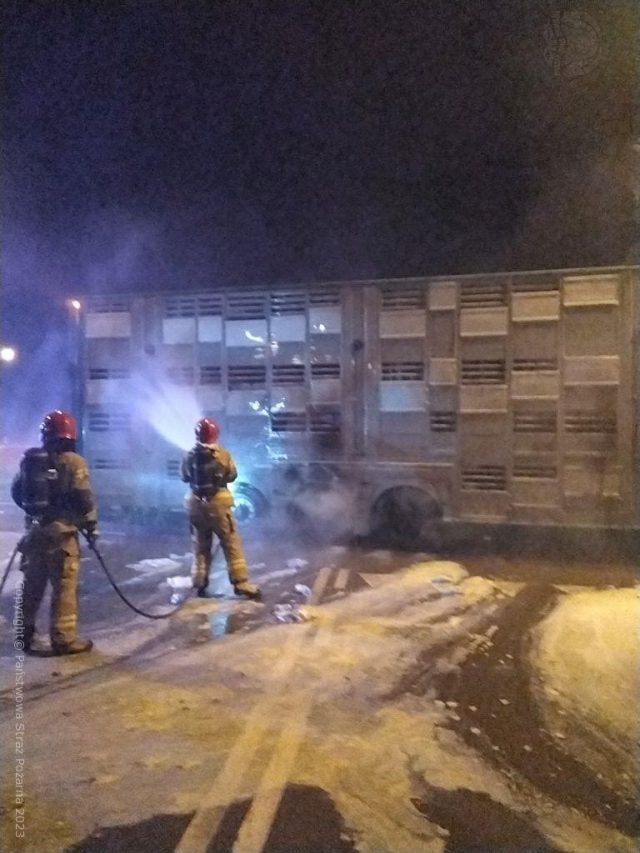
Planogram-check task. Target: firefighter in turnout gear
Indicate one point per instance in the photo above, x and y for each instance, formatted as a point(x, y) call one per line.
point(208, 468)
point(54, 490)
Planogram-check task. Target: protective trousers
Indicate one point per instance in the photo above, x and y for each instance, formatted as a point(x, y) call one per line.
point(58, 564)
point(214, 517)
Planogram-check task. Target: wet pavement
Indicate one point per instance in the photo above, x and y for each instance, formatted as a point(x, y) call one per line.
point(491, 707)
point(477, 824)
point(277, 566)
point(485, 700)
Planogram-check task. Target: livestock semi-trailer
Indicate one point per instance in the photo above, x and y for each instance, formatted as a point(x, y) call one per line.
point(503, 398)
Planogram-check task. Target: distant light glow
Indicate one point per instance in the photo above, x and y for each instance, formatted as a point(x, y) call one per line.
point(7, 354)
point(256, 339)
point(76, 304)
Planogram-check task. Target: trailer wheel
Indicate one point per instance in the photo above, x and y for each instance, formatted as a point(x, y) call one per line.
point(250, 503)
point(407, 517)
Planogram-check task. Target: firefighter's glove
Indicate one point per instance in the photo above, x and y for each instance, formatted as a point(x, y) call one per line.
point(92, 533)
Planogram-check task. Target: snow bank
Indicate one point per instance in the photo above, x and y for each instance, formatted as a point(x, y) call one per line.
point(161, 564)
point(586, 657)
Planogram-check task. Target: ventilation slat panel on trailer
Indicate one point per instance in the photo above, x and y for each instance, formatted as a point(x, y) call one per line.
point(247, 306)
point(107, 421)
point(486, 478)
point(288, 422)
point(590, 422)
point(210, 305)
point(402, 371)
point(210, 375)
point(483, 295)
point(288, 374)
point(443, 421)
point(402, 299)
point(324, 296)
point(107, 304)
point(247, 376)
point(180, 306)
point(294, 302)
point(325, 371)
point(535, 364)
point(109, 373)
point(524, 421)
point(483, 372)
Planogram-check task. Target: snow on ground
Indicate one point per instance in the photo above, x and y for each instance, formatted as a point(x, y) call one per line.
point(372, 745)
point(586, 655)
point(172, 563)
point(369, 742)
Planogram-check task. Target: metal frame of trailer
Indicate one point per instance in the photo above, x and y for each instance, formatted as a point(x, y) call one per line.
point(506, 398)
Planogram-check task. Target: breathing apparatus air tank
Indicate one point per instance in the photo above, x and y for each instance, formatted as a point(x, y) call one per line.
point(38, 476)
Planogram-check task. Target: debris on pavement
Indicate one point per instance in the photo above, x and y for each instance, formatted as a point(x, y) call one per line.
point(287, 612)
point(444, 585)
point(180, 582)
point(159, 564)
point(303, 590)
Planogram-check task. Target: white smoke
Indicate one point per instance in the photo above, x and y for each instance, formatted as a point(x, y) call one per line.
point(170, 410)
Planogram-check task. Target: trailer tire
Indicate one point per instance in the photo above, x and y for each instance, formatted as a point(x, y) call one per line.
point(407, 517)
point(250, 503)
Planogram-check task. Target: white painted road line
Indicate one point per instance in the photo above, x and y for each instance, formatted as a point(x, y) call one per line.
point(342, 579)
point(227, 786)
point(320, 583)
point(228, 783)
point(258, 821)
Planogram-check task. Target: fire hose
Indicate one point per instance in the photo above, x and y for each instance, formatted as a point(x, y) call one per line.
point(9, 564)
point(92, 545)
point(110, 578)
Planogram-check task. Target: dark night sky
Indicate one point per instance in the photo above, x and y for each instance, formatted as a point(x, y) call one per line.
point(183, 144)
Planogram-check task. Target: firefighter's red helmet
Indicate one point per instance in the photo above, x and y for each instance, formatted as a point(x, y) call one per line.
point(57, 425)
point(207, 431)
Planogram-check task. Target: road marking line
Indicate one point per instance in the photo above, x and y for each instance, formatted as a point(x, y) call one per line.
point(227, 785)
point(319, 585)
point(342, 579)
point(257, 824)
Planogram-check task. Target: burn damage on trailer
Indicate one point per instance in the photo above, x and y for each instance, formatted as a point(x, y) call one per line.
point(385, 408)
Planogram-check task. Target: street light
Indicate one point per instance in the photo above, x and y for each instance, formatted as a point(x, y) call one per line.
point(8, 354)
point(75, 340)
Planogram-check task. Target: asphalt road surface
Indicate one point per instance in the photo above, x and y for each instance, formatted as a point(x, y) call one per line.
point(362, 705)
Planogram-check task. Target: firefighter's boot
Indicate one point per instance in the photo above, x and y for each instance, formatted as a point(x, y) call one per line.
point(28, 638)
point(203, 592)
point(248, 590)
point(73, 647)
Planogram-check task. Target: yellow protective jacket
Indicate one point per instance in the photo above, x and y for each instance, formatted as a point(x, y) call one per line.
point(74, 506)
point(226, 471)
